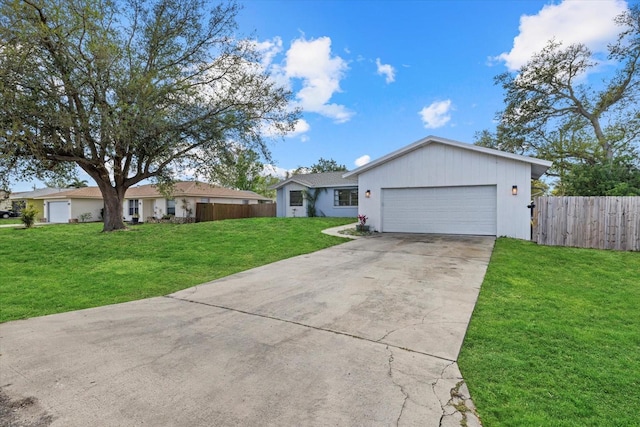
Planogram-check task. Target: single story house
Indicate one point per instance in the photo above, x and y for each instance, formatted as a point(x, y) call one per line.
point(333, 195)
point(145, 201)
point(437, 185)
point(21, 199)
point(71, 204)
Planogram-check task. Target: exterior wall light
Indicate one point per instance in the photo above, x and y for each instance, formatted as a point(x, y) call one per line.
point(514, 190)
point(367, 194)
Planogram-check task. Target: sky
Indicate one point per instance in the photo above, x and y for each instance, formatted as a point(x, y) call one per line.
point(374, 76)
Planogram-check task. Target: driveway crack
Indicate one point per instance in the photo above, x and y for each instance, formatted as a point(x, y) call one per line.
point(459, 404)
point(400, 387)
point(317, 328)
point(410, 325)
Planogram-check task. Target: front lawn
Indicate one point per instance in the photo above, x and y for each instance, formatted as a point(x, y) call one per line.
point(59, 268)
point(555, 338)
point(13, 220)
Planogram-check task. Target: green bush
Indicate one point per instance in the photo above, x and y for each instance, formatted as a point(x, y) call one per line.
point(28, 215)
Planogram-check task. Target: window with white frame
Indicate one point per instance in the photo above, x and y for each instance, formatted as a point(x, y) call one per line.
point(345, 197)
point(171, 207)
point(133, 207)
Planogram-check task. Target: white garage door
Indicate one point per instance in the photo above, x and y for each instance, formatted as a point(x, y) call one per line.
point(58, 212)
point(446, 210)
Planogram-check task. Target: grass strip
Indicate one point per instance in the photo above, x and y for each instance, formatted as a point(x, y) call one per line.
point(555, 338)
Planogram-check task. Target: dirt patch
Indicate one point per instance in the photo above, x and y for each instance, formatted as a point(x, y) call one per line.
point(22, 412)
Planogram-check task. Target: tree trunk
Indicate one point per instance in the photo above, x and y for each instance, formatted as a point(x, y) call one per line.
point(112, 217)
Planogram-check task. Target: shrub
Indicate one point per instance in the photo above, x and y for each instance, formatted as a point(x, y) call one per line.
point(85, 217)
point(28, 215)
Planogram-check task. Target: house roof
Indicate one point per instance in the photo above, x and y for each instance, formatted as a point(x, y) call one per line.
point(320, 180)
point(193, 189)
point(36, 193)
point(75, 193)
point(538, 166)
point(150, 191)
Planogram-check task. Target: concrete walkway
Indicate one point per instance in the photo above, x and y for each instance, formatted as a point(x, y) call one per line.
point(361, 334)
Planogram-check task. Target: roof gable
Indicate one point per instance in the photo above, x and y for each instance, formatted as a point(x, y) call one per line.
point(538, 166)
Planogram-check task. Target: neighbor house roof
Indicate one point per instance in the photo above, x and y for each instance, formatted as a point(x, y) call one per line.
point(320, 180)
point(538, 166)
point(36, 193)
point(75, 193)
point(193, 189)
point(150, 191)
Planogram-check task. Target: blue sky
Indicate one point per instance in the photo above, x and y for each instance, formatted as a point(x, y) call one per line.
point(374, 76)
point(398, 71)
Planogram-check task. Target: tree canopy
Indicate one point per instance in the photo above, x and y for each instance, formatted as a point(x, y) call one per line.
point(321, 166)
point(129, 90)
point(324, 165)
point(242, 169)
point(553, 112)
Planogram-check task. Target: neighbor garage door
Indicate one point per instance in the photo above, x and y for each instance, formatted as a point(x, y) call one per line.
point(58, 212)
point(447, 210)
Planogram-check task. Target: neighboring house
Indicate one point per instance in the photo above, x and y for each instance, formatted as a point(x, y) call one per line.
point(145, 201)
point(23, 198)
point(72, 204)
point(336, 195)
point(436, 185)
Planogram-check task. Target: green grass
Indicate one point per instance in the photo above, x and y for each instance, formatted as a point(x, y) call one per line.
point(555, 338)
point(59, 268)
point(14, 220)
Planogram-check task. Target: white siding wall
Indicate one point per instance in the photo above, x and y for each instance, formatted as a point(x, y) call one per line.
point(438, 165)
point(81, 206)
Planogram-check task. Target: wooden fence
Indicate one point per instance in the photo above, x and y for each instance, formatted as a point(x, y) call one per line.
point(220, 211)
point(588, 222)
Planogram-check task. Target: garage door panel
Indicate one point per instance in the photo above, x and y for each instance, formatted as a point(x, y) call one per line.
point(448, 210)
point(58, 212)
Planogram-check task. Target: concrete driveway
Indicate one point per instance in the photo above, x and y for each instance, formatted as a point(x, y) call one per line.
point(361, 334)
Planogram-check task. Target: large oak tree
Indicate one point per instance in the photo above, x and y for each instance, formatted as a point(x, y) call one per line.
point(129, 90)
point(553, 110)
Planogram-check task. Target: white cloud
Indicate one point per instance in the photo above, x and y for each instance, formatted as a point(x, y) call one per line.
point(275, 171)
point(569, 22)
point(386, 70)
point(362, 160)
point(301, 127)
point(321, 72)
point(268, 49)
point(436, 115)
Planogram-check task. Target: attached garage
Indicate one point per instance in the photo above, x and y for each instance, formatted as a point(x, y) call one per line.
point(58, 212)
point(443, 210)
point(437, 185)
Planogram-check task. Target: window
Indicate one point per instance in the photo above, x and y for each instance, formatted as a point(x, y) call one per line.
point(295, 198)
point(133, 207)
point(204, 200)
point(345, 197)
point(171, 207)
